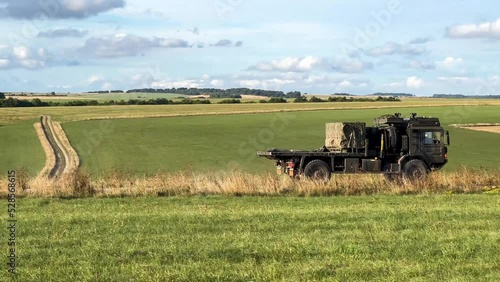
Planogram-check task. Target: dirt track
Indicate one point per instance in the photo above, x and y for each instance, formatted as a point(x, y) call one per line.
point(493, 129)
point(66, 159)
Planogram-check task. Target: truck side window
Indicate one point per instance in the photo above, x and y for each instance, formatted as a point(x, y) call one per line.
point(433, 138)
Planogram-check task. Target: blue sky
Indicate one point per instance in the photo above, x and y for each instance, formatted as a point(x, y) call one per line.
point(420, 47)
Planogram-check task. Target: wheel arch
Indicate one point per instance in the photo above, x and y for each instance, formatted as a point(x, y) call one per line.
point(406, 158)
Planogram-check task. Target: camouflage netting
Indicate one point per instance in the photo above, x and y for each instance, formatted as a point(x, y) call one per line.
point(345, 135)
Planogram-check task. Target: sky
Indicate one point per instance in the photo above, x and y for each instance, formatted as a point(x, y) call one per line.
point(316, 46)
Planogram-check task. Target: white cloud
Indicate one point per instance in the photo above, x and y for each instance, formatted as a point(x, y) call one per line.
point(394, 84)
point(250, 83)
point(450, 63)
point(94, 78)
point(227, 43)
point(123, 45)
point(455, 78)
point(345, 83)
point(4, 63)
point(422, 65)
point(23, 57)
point(310, 63)
point(62, 32)
point(351, 66)
point(414, 82)
point(20, 52)
point(107, 86)
point(190, 83)
point(482, 30)
point(217, 82)
point(420, 40)
point(290, 64)
point(391, 48)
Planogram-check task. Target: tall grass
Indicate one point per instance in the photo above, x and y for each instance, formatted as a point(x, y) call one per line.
point(237, 183)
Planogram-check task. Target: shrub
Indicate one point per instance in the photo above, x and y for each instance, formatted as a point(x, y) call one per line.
point(301, 99)
point(277, 100)
point(315, 99)
point(230, 101)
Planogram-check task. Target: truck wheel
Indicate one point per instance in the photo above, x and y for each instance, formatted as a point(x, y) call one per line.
point(318, 170)
point(415, 170)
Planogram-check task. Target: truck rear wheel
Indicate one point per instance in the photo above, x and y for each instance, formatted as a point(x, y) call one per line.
point(317, 170)
point(415, 170)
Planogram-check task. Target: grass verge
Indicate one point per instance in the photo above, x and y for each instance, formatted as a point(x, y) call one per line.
point(395, 238)
point(237, 183)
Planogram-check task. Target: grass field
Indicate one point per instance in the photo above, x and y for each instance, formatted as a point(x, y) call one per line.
point(20, 147)
point(206, 140)
point(231, 141)
point(421, 238)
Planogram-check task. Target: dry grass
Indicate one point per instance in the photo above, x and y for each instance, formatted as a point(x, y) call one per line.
point(50, 158)
point(236, 183)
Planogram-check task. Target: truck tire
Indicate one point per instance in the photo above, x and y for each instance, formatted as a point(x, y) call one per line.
point(415, 170)
point(393, 137)
point(317, 170)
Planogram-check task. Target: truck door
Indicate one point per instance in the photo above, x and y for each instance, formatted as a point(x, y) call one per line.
point(431, 145)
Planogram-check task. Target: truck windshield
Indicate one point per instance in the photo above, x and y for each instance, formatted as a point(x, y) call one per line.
point(433, 137)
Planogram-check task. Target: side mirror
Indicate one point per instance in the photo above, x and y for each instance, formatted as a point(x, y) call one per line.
point(447, 137)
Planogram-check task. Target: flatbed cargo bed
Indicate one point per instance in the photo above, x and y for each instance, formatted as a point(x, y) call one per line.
point(274, 154)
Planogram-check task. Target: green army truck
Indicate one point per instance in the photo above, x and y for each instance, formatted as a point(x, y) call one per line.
point(395, 146)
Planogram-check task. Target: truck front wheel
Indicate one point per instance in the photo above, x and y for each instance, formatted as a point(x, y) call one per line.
point(317, 170)
point(415, 170)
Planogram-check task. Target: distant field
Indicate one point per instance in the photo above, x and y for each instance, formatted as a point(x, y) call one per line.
point(103, 97)
point(128, 96)
point(398, 238)
point(230, 141)
point(65, 114)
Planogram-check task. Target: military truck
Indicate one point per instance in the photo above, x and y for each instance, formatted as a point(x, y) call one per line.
point(395, 146)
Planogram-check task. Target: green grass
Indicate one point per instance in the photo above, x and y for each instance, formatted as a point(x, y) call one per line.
point(20, 148)
point(229, 141)
point(424, 238)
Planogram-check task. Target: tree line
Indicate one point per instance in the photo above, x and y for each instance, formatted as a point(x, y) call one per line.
point(15, 103)
point(315, 99)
